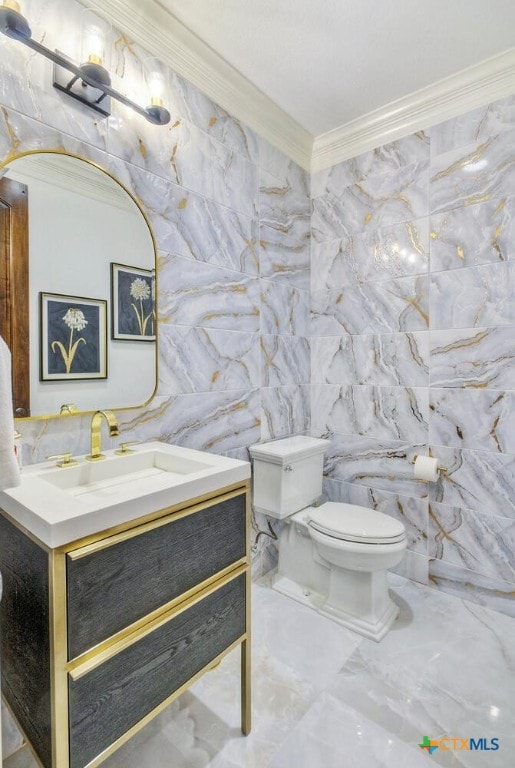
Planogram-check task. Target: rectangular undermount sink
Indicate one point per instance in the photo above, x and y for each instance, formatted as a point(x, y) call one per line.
point(59, 505)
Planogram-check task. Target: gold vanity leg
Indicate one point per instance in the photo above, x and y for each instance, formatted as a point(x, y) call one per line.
point(246, 681)
point(58, 652)
point(245, 688)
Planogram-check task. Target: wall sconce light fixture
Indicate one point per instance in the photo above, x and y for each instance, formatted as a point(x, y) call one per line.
point(90, 82)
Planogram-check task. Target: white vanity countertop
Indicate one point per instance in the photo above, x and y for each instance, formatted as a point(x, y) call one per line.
point(61, 505)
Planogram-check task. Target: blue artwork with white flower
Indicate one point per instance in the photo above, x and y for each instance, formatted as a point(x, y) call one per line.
point(134, 310)
point(73, 341)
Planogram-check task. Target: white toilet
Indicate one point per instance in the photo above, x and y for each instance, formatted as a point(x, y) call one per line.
point(333, 557)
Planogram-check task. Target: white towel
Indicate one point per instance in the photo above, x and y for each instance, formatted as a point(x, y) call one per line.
point(9, 470)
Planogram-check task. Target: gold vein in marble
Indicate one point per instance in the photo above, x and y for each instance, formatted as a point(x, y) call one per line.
point(414, 236)
point(122, 43)
point(251, 244)
point(463, 344)
point(15, 141)
point(473, 157)
point(414, 303)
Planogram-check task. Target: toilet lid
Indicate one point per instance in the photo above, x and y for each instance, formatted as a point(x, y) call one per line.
point(351, 522)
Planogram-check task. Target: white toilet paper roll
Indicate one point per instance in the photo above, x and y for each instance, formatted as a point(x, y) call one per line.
point(426, 468)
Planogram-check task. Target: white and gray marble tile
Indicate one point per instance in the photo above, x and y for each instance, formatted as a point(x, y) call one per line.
point(474, 297)
point(12, 740)
point(284, 204)
point(390, 306)
point(273, 160)
point(21, 134)
point(325, 735)
point(413, 566)
point(285, 360)
point(279, 170)
point(379, 464)
point(285, 257)
point(390, 157)
point(216, 422)
point(188, 224)
point(284, 411)
point(46, 437)
point(194, 293)
point(386, 413)
point(182, 153)
point(379, 200)
point(445, 688)
point(388, 359)
point(479, 480)
point(386, 253)
point(479, 542)
point(284, 310)
point(474, 126)
point(473, 235)
point(473, 174)
point(487, 591)
point(410, 511)
point(211, 118)
point(285, 226)
point(477, 358)
point(206, 359)
point(478, 419)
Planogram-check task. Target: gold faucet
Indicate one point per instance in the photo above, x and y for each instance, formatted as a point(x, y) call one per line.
point(96, 424)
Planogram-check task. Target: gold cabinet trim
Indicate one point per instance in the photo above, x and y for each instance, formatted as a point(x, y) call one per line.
point(112, 647)
point(58, 656)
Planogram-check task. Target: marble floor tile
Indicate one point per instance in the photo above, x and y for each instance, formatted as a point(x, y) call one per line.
point(324, 696)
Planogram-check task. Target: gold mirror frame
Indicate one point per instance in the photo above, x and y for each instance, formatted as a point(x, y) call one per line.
point(17, 155)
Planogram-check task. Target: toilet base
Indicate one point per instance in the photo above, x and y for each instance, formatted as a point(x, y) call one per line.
point(298, 592)
point(360, 601)
point(372, 630)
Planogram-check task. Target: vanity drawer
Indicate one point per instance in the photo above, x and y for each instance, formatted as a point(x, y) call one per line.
point(111, 587)
point(112, 698)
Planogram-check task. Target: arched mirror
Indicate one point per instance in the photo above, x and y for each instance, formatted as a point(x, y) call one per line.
point(77, 287)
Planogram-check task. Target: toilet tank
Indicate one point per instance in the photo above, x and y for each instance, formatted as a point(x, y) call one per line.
point(287, 474)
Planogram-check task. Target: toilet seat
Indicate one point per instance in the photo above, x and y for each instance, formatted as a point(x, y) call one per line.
point(351, 522)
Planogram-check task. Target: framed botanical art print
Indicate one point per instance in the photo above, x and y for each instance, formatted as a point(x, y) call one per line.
point(133, 303)
point(73, 337)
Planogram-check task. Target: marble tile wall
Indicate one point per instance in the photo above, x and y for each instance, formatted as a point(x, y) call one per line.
point(231, 217)
point(413, 343)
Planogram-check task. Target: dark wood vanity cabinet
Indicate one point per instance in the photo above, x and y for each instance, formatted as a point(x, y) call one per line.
point(100, 635)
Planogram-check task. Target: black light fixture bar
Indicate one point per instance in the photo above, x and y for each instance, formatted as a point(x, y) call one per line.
point(16, 27)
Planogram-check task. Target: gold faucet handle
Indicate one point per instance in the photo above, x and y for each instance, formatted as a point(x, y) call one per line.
point(123, 450)
point(68, 409)
point(67, 460)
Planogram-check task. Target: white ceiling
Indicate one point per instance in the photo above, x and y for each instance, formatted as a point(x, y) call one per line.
point(328, 62)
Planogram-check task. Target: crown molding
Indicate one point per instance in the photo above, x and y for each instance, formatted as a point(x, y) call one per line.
point(161, 33)
point(473, 87)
